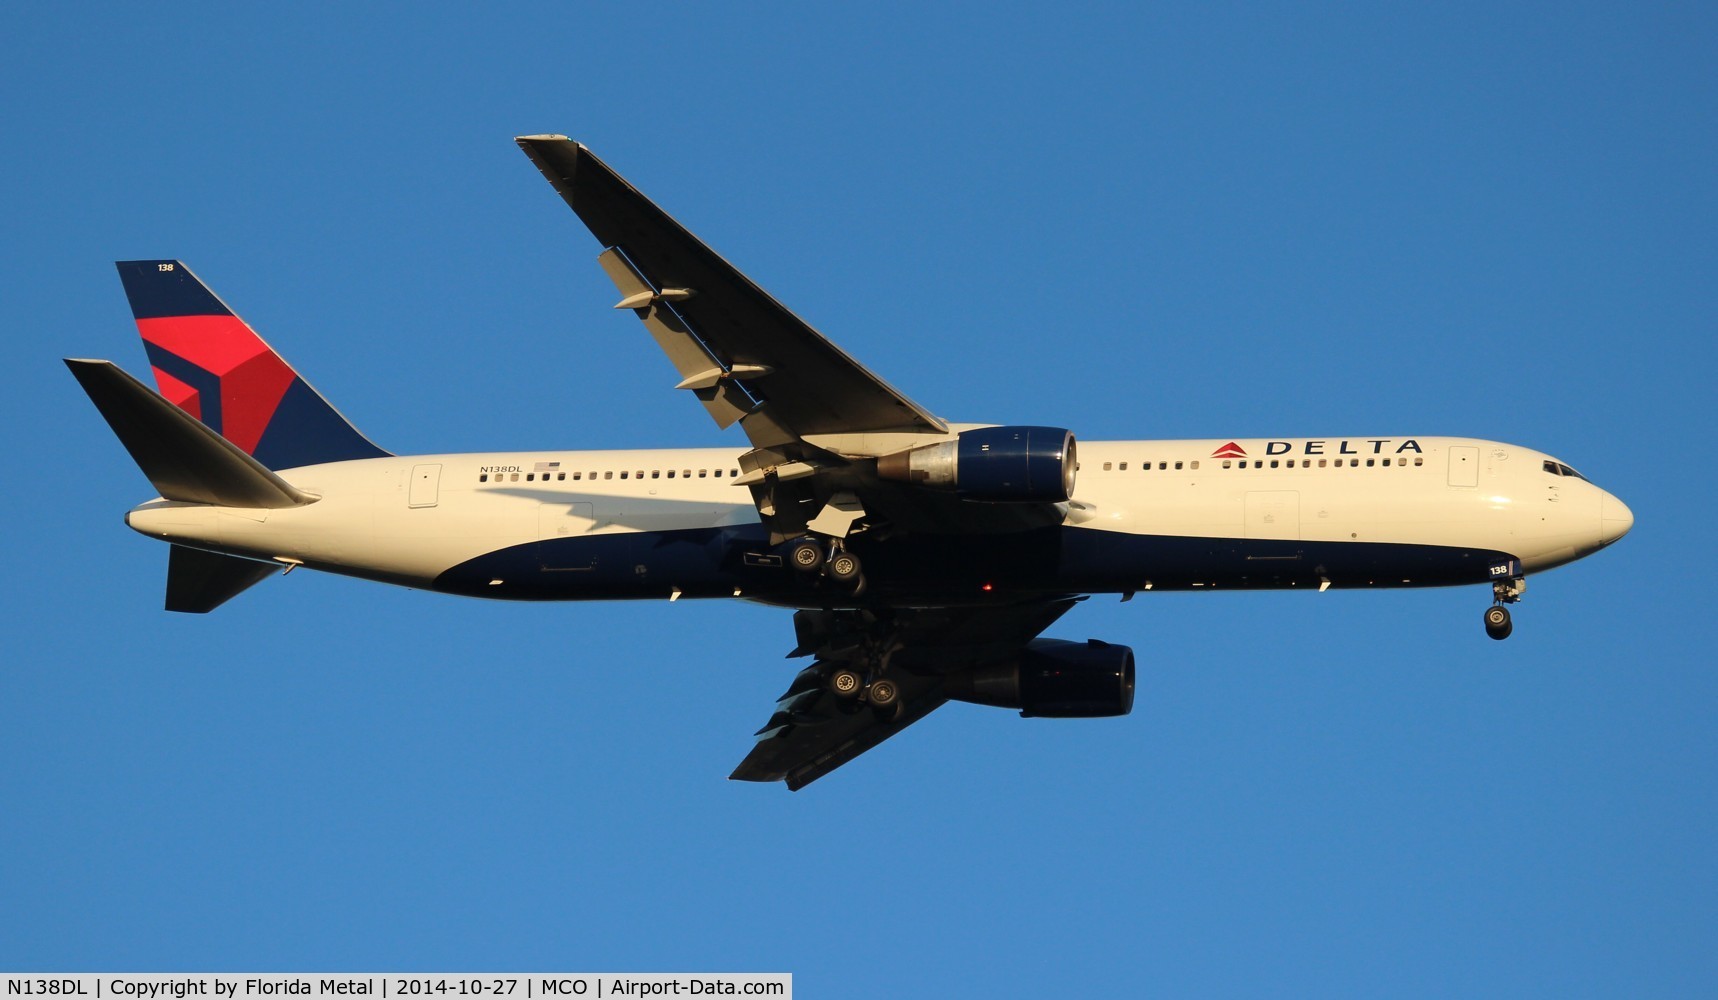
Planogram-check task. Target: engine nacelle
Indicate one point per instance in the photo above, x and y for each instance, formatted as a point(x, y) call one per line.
point(992, 463)
point(1054, 679)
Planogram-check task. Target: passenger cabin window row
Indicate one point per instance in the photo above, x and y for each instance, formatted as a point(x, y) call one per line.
point(561, 477)
point(1306, 463)
point(1146, 466)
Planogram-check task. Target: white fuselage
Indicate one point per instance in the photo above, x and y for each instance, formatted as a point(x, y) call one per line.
point(412, 520)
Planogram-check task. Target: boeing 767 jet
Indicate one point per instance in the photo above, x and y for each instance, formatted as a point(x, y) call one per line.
point(923, 558)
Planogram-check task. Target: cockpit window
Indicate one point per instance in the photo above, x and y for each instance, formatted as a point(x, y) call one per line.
point(1559, 469)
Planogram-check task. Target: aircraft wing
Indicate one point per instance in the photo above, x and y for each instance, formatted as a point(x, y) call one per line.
point(728, 337)
point(813, 731)
point(751, 361)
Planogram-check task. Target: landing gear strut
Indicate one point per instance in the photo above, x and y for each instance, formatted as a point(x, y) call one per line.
point(1504, 592)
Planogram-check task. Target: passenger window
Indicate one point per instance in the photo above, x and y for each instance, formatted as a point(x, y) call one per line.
point(515, 477)
point(1162, 465)
point(623, 475)
point(703, 473)
point(608, 475)
point(1369, 462)
point(1225, 463)
point(483, 478)
point(1321, 463)
point(1273, 463)
point(670, 473)
point(1195, 465)
point(654, 474)
point(1419, 460)
point(1106, 466)
point(1177, 466)
point(575, 477)
point(1258, 463)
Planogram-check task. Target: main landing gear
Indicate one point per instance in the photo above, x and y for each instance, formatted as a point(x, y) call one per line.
point(1504, 592)
point(881, 692)
point(837, 564)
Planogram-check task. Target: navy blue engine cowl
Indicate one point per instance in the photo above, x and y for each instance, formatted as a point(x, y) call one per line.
point(1016, 463)
point(1001, 464)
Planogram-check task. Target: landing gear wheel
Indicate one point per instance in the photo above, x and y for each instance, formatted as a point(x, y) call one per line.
point(806, 556)
point(846, 683)
point(882, 693)
point(843, 567)
point(1497, 622)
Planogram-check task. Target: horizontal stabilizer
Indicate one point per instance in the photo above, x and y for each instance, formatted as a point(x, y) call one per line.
point(183, 458)
point(199, 582)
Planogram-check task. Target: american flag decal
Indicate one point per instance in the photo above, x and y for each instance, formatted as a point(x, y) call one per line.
point(548, 467)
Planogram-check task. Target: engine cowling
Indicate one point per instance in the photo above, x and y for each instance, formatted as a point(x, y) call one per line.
point(1054, 679)
point(992, 463)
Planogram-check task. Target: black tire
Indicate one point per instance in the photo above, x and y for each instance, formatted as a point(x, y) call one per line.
point(805, 556)
point(1497, 622)
point(844, 567)
point(846, 683)
point(883, 692)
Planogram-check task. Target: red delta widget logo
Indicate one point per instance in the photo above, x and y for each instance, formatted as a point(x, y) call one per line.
point(1343, 446)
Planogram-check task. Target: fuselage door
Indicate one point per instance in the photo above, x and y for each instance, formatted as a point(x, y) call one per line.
point(426, 481)
point(1273, 514)
point(1464, 466)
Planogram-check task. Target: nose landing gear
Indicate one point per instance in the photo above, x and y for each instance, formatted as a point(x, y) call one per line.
point(1497, 623)
point(1504, 592)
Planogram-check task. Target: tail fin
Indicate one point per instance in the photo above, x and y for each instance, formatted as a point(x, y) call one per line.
point(212, 365)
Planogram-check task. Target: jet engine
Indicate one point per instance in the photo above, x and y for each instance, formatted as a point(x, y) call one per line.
point(1053, 679)
point(992, 463)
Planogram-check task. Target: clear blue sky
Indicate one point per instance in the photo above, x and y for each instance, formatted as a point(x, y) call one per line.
point(1205, 220)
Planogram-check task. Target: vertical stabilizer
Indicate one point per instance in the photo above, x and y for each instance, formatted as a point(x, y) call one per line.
point(212, 365)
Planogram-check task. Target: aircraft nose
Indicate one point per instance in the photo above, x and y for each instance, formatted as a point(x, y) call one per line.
point(1615, 519)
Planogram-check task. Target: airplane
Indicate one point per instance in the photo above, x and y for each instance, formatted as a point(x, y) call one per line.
point(923, 559)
